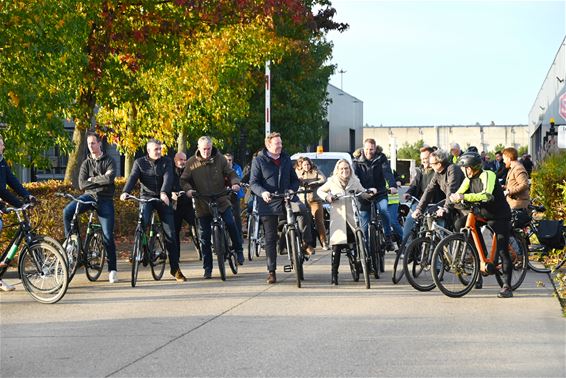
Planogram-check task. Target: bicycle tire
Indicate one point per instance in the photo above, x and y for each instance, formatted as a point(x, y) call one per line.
point(294, 245)
point(137, 258)
point(43, 271)
point(195, 237)
point(381, 251)
point(231, 254)
point(251, 238)
point(416, 264)
point(518, 252)
point(536, 259)
point(398, 271)
point(71, 248)
point(219, 250)
point(374, 250)
point(455, 266)
point(260, 239)
point(157, 254)
point(362, 255)
point(95, 255)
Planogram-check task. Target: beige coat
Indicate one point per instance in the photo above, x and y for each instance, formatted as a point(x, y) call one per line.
point(341, 212)
point(312, 179)
point(517, 185)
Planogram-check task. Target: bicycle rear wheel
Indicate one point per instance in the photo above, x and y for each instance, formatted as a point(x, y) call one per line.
point(137, 258)
point(416, 264)
point(374, 250)
point(219, 249)
point(398, 271)
point(95, 255)
point(536, 259)
point(251, 238)
point(195, 237)
point(157, 254)
point(231, 254)
point(362, 255)
point(43, 271)
point(518, 253)
point(455, 266)
point(381, 251)
point(71, 248)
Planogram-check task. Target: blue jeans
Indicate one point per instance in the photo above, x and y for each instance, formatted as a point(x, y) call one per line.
point(383, 212)
point(167, 219)
point(105, 212)
point(393, 210)
point(206, 231)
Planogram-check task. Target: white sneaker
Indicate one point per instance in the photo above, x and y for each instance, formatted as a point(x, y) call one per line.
point(113, 277)
point(6, 287)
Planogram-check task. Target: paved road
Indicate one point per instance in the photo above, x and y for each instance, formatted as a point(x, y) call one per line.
point(243, 327)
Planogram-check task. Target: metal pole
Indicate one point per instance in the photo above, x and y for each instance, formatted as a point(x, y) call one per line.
point(267, 97)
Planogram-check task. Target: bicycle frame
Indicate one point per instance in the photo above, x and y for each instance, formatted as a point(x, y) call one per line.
point(24, 234)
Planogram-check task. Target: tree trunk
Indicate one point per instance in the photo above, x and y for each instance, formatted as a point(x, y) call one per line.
point(128, 164)
point(76, 158)
point(182, 141)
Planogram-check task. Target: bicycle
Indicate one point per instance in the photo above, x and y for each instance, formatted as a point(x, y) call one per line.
point(457, 258)
point(41, 266)
point(221, 242)
point(376, 240)
point(291, 235)
point(359, 258)
point(539, 252)
point(256, 234)
point(418, 258)
point(90, 252)
point(398, 271)
point(148, 247)
point(193, 232)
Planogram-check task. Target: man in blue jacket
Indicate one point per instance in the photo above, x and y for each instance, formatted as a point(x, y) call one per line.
point(272, 172)
point(7, 178)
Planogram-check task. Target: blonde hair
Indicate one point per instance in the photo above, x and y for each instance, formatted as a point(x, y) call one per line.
point(336, 169)
point(271, 136)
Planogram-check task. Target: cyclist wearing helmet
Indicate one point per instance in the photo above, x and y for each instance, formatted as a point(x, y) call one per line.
point(482, 186)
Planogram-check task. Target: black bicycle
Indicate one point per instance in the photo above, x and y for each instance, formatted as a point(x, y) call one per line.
point(149, 248)
point(398, 271)
point(376, 240)
point(41, 267)
point(221, 243)
point(291, 236)
point(90, 252)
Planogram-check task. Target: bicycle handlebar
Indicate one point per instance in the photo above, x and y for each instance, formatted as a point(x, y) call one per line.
point(8, 210)
point(142, 200)
point(75, 199)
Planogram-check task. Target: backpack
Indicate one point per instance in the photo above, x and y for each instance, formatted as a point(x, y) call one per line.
point(549, 233)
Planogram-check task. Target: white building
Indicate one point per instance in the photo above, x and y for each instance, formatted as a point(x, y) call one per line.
point(345, 121)
point(548, 103)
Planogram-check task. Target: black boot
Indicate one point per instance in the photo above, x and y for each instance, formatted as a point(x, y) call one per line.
point(335, 264)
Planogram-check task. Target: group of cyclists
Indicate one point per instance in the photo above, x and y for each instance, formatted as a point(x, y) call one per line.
point(453, 176)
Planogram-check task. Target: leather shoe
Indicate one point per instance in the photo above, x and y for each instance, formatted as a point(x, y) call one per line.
point(207, 275)
point(505, 292)
point(271, 279)
point(179, 276)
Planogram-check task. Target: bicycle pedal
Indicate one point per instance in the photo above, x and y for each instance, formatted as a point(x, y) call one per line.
point(287, 268)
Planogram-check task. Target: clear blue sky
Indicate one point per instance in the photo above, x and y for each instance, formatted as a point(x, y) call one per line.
point(446, 62)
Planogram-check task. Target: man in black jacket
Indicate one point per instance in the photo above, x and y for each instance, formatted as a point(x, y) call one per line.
point(7, 178)
point(374, 171)
point(155, 173)
point(96, 178)
point(272, 172)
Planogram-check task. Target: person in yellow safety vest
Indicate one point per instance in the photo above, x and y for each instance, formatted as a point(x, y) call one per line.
point(393, 201)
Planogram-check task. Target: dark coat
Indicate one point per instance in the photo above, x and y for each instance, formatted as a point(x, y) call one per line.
point(155, 177)
point(374, 174)
point(447, 182)
point(101, 172)
point(266, 176)
point(7, 178)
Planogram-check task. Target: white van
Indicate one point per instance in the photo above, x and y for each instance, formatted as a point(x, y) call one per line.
point(325, 161)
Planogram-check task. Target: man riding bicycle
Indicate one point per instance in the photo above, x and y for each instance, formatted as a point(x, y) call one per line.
point(482, 187)
point(205, 172)
point(155, 173)
point(96, 178)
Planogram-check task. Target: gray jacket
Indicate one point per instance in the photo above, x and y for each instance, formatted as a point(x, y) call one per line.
point(96, 176)
point(448, 182)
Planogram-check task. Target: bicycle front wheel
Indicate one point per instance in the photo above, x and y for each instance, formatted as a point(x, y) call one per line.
point(95, 255)
point(518, 253)
point(219, 249)
point(295, 247)
point(251, 238)
point(43, 271)
point(455, 266)
point(137, 258)
point(362, 255)
point(374, 251)
point(416, 264)
point(157, 254)
point(398, 271)
point(231, 254)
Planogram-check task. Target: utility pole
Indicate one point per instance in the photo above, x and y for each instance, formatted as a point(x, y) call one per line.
point(342, 72)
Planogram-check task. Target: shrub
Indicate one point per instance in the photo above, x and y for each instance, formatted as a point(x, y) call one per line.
point(548, 185)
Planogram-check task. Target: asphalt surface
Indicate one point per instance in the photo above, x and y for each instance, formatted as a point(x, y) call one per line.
point(244, 327)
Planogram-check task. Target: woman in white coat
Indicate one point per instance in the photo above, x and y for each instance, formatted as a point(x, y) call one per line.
point(342, 181)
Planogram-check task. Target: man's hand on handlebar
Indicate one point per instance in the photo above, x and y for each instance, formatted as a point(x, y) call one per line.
point(266, 197)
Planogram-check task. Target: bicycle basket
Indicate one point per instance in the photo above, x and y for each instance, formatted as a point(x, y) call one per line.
point(549, 233)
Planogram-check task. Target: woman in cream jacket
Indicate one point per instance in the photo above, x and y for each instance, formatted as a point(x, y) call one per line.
point(342, 222)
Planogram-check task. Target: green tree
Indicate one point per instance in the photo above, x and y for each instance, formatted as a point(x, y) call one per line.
point(411, 151)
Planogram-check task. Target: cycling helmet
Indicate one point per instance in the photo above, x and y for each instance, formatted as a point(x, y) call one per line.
point(470, 159)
